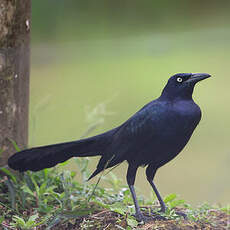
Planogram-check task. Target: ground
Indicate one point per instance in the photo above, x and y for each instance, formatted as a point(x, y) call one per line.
point(106, 219)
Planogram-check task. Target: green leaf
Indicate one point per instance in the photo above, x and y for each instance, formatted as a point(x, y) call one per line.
point(15, 145)
point(56, 220)
point(35, 185)
point(11, 189)
point(27, 190)
point(28, 180)
point(50, 189)
point(76, 213)
point(176, 203)
point(170, 198)
point(31, 222)
point(132, 222)
point(64, 163)
point(101, 204)
point(33, 217)
point(19, 221)
point(10, 174)
point(119, 208)
point(2, 219)
point(226, 209)
point(43, 187)
point(45, 171)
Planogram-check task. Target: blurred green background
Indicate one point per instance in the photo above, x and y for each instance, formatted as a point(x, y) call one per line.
point(112, 57)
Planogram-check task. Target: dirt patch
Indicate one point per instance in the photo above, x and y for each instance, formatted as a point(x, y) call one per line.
point(216, 220)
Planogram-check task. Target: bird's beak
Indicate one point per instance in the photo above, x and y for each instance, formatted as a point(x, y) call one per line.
point(195, 77)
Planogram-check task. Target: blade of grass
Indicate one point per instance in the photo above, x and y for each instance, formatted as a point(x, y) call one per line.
point(14, 144)
point(12, 192)
point(99, 179)
point(9, 174)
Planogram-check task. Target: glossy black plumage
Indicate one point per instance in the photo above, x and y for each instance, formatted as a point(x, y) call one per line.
point(152, 136)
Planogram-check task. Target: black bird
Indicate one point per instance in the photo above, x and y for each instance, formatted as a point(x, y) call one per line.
point(151, 137)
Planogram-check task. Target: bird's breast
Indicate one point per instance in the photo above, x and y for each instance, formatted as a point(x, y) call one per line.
point(179, 123)
point(186, 114)
point(180, 120)
point(171, 132)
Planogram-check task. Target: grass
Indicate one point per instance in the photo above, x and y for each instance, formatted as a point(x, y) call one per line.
point(52, 199)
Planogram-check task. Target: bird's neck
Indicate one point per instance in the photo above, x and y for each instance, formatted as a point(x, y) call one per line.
point(174, 95)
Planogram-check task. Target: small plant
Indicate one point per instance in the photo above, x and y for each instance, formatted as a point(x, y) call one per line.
point(19, 222)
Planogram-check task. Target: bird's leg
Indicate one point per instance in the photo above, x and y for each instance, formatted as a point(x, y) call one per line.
point(150, 173)
point(131, 175)
point(138, 214)
point(163, 206)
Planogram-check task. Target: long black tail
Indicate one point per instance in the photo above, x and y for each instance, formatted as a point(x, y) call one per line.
point(35, 159)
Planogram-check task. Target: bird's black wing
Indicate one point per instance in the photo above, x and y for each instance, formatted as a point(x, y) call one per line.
point(138, 130)
point(132, 136)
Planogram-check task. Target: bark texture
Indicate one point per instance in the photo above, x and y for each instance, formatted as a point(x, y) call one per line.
point(14, 75)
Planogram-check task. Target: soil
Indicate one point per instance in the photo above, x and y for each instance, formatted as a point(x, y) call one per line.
point(107, 220)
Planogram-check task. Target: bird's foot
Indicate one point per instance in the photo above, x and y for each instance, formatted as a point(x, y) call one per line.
point(156, 215)
point(163, 209)
point(149, 216)
point(141, 217)
point(184, 215)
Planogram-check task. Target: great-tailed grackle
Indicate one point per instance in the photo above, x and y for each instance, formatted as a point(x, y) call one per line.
point(151, 137)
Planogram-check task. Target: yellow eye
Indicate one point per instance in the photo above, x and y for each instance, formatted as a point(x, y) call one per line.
point(179, 79)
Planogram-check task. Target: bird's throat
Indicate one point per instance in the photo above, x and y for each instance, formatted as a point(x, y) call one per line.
point(173, 93)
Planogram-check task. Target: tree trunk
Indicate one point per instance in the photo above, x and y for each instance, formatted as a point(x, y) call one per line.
point(14, 75)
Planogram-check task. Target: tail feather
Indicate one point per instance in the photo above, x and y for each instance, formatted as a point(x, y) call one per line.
point(38, 158)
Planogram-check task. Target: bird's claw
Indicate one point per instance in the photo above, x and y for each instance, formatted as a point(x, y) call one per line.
point(141, 217)
point(182, 214)
point(156, 215)
point(163, 209)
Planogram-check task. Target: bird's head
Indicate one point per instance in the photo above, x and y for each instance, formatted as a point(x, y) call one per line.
point(181, 85)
